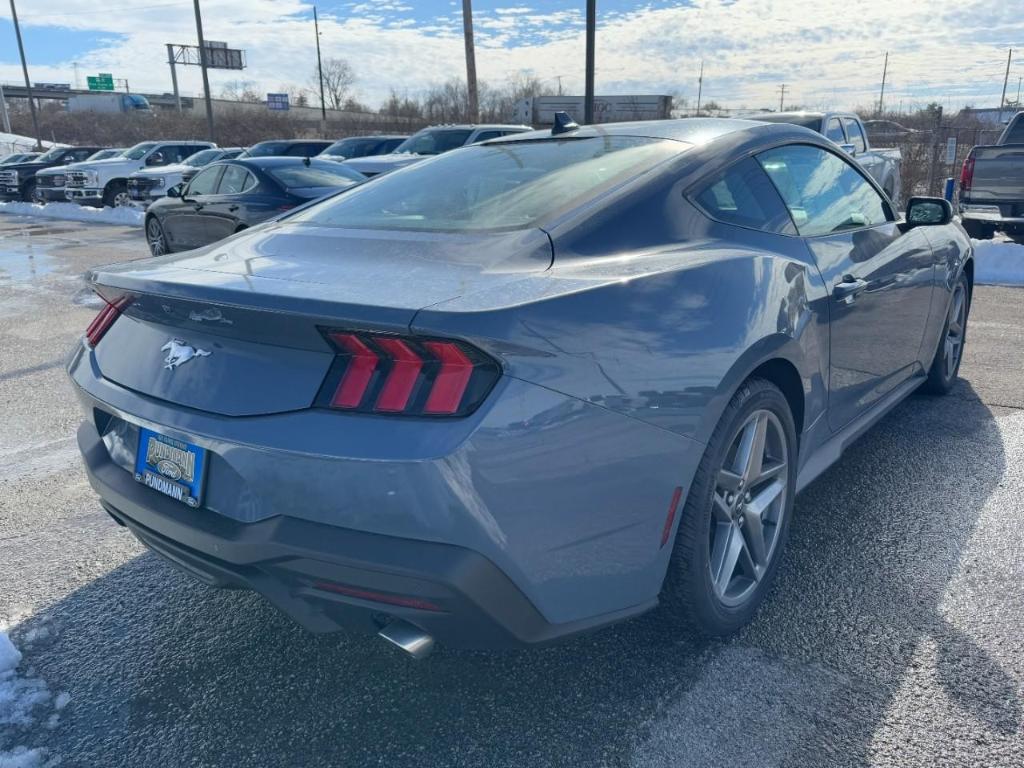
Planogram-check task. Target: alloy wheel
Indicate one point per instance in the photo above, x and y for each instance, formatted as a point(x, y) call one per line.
point(748, 506)
point(155, 238)
point(122, 200)
point(954, 342)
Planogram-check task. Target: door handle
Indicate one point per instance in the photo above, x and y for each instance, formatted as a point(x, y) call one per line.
point(849, 289)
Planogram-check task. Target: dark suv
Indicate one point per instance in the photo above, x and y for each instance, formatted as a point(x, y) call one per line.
point(18, 181)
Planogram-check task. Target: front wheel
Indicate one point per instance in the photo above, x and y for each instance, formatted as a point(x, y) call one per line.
point(736, 517)
point(116, 195)
point(29, 194)
point(945, 365)
point(155, 237)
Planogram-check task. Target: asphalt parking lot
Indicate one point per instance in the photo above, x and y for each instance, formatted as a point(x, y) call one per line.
point(893, 637)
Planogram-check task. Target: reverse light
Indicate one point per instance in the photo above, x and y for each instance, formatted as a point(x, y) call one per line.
point(411, 376)
point(967, 173)
point(102, 322)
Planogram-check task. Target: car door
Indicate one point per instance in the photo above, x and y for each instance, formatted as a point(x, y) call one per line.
point(880, 278)
point(183, 225)
point(220, 216)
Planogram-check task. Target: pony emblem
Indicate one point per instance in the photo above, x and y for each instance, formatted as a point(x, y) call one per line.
point(179, 353)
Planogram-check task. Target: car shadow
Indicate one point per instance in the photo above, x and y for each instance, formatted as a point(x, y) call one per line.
point(166, 672)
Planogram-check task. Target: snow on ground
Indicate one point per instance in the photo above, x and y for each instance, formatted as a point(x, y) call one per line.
point(998, 262)
point(20, 699)
point(131, 217)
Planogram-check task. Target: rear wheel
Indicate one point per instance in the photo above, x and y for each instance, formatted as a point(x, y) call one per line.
point(736, 517)
point(946, 364)
point(116, 195)
point(978, 230)
point(155, 237)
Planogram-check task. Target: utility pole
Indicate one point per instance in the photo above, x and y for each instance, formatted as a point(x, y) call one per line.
point(24, 69)
point(1002, 100)
point(202, 65)
point(881, 95)
point(782, 95)
point(467, 33)
point(700, 85)
point(559, 79)
point(1018, 90)
point(588, 97)
point(320, 72)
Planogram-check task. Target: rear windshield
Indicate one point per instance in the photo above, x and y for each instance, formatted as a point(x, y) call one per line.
point(508, 185)
point(301, 177)
point(269, 149)
point(203, 157)
point(350, 147)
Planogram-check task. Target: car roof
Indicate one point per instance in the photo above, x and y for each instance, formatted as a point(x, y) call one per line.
point(377, 137)
point(479, 126)
point(277, 161)
point(293, 141)
point(693, 130)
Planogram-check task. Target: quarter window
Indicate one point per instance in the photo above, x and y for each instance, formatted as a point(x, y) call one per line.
point(824, 193)
point(855, 134)
point(834, 132)
point(744, 196)
point(204, 183)
point(235, 180)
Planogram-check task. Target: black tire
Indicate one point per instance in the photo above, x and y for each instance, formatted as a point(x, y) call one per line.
point(28, 192)
point(978, 230)
point(155, 237)
point(943, 372)
point(689, 597)
point(116, 194)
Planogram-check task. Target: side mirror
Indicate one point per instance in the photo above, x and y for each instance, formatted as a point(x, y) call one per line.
point(850, 149)
point(175, 191)
point(157, 158)
point(928, 211)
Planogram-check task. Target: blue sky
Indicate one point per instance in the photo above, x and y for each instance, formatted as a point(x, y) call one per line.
point(829, 52)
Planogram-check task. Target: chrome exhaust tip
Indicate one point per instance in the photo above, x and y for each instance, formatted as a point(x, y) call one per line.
point(409, 638)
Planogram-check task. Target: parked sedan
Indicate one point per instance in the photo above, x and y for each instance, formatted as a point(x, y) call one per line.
point(227, 197)
point(287, 148)
point(526, 388)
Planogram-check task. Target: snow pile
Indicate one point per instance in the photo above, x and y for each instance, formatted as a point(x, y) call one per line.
point(998, 262)
point(12, 142)
point(130, 217)
point(19, 697)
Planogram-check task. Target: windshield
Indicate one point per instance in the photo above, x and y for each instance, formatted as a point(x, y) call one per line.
point(105, 154)
point(202, 157)
point(50, 155)
point(434, 141)
point(267, 149)
point(506, 185)
point(350, 147)
point(139, 150)
point(321, 175)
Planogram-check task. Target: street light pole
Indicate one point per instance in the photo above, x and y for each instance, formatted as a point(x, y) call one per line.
point(588, 98)
point(320, 70)
point(202, 65)
point(24, 69)
point(881, 95)
point(1002, 100)
point(467, 29)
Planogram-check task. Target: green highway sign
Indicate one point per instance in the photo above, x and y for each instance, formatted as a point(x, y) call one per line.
point(102, 82)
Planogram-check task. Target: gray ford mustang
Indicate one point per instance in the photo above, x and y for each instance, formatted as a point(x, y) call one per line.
point(524, 389)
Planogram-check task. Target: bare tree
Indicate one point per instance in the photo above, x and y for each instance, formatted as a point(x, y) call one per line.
point(242, 90)
point(339, 78)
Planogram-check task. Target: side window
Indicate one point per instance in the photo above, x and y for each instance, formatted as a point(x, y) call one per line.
point(855, 134)
point(824, 193)
point(235, 180)
point(743, 195)
point(834, 131)
point(204, 182)
point(303, 150)
point(186, 150)
point(485, 135)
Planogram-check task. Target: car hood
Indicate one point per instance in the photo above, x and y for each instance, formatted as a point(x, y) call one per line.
point(26, 166)
point(165, 170)
point(111, 162)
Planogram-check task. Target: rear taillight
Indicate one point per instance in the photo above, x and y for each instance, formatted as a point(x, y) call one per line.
point(967, 173)
point(102, 322)
point(387, 374)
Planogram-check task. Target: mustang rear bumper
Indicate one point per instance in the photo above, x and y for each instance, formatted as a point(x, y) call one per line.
point(328, 578)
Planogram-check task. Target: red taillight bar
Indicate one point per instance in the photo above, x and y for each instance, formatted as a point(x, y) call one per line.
point(102, 322)
point(377, 597)
point(385, 373)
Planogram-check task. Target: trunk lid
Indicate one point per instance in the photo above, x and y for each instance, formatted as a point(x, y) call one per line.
point(256, 304)
point(998, 174)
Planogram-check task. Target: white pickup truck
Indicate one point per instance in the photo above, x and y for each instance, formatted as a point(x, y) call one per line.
point(847, 130)
point(106, 182)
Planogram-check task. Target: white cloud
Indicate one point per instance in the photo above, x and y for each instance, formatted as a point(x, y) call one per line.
point(828, 54)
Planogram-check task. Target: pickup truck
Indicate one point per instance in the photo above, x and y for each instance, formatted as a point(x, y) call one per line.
point(992, 186)
point(847, 130)
point(18, 180)
point(105, 182)
point(151, 184)
point(50, 182)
